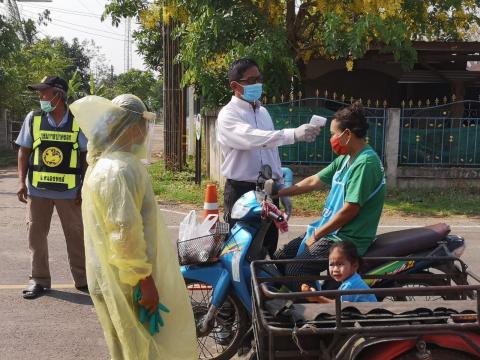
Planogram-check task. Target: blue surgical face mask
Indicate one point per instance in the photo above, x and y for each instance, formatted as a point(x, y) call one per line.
point(46, 105)
point(252, 93)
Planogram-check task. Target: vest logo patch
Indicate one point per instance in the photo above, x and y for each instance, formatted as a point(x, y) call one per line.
point(52, 156)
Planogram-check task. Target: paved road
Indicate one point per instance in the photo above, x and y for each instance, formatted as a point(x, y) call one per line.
point(63, 325)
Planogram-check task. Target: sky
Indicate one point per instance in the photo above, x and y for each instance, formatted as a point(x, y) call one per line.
point(81, 19)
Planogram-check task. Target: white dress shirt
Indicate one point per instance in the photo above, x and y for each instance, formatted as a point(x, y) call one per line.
point(248, 141)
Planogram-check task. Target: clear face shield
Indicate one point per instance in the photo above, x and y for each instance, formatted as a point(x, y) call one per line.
point(123, 124)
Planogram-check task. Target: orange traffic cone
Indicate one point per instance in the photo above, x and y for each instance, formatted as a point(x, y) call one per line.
point(210, 206)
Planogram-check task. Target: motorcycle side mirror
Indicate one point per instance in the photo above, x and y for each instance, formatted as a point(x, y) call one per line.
point(269, 187)
point(266, 172)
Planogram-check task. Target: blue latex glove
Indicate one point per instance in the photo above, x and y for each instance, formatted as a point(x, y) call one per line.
point(155, 321)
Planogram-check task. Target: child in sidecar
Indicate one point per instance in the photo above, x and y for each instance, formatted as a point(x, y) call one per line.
point(343, 264)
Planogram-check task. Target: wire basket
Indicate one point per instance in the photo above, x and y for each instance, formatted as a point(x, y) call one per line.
point(204, 249)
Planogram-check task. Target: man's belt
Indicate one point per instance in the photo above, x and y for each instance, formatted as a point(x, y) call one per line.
point(241, 183)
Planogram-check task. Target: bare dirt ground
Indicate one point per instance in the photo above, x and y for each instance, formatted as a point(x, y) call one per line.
point(63, 325)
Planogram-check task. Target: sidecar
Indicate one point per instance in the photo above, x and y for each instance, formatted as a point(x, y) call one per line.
point(411, 322)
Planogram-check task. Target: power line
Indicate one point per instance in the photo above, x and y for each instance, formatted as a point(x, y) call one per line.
point(86, 32)
point(81, 3)
point(72, 12)
point(75, 24)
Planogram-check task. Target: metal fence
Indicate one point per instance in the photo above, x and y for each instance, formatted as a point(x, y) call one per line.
point(12, 131)
point(297, 112)
point(441, 135)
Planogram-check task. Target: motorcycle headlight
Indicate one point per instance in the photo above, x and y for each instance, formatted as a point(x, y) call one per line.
point(458, 252)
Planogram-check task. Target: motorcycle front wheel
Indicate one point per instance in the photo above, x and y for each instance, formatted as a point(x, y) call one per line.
point(229, 326)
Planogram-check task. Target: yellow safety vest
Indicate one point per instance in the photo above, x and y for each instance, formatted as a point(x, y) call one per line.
point(54, 162)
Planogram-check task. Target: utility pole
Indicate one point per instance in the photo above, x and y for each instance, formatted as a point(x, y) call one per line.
point(127, 48)
point(174, 100)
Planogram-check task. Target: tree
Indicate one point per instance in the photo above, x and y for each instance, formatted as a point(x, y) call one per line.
point(26, 66)
point(142, 84)
point(25, 62)
point(284, 35)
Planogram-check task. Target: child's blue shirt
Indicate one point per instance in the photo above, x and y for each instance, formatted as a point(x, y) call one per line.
point(355, 282)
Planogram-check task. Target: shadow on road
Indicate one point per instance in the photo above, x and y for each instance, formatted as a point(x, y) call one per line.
point(74, 298)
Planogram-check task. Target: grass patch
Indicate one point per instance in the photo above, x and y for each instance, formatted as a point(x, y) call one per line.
point(180, 187)
point(8, 157)
point(434, 202)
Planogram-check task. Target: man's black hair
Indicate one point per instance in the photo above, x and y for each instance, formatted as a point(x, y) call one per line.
point(238, 68)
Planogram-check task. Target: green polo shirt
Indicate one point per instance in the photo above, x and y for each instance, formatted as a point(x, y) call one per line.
point(366, 174)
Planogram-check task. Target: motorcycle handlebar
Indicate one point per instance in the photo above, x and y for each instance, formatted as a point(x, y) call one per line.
point(275, 217)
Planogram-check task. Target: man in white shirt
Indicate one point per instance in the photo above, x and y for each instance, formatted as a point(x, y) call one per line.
point(248, 140)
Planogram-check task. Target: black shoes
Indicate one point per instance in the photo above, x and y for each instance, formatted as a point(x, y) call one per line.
point(33, 291)
point(83, 289)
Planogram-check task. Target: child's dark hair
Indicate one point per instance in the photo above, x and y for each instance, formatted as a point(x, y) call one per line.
point(353, 118)
point(238, 68)
point(349, 250)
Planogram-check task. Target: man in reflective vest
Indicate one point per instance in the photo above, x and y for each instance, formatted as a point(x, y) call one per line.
point(51, 165)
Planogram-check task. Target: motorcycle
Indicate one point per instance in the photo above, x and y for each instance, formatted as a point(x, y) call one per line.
point(219, 280)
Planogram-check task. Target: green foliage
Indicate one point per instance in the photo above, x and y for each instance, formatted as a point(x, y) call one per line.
point(455, 200)
point(80, 63)
point(28, 65)
point(75, 91)
point(284, 35)
point(9, 41)
point(141, 83)
point(144, 84)
point(233, 30)
point(177, 185)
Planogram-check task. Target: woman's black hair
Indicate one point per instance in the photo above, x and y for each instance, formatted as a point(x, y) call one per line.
point(349, 250)
point(353, 118)
point(238, 68)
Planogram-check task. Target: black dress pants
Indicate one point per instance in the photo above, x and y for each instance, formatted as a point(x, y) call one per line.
point(319, 250)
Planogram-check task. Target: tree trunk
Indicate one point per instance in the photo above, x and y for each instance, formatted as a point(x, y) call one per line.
point(294, 24)
point(174, 102)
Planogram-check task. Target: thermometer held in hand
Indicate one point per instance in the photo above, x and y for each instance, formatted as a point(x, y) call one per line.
point(317, 120)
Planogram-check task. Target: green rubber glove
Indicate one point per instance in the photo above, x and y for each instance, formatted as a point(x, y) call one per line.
point(155, 321)
point(142, 311)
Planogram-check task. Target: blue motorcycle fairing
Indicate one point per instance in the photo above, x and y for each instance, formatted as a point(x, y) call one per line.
point(240, 237)
point(214, 274)
point(248, 207)
point(233, 259)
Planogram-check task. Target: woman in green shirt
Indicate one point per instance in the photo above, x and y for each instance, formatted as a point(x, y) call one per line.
point(357, 190)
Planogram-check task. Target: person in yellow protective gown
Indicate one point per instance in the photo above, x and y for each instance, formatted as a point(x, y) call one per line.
point(126, 242)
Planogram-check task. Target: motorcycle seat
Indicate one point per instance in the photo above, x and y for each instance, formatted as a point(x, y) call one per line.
point(409, 241)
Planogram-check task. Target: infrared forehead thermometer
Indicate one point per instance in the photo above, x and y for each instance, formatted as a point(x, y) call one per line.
point(317, 120)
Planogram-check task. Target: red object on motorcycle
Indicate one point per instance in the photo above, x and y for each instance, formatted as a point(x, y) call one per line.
point(393, 349)
point(270, 211)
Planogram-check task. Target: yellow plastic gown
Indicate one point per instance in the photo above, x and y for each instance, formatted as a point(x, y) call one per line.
point(126, 240)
